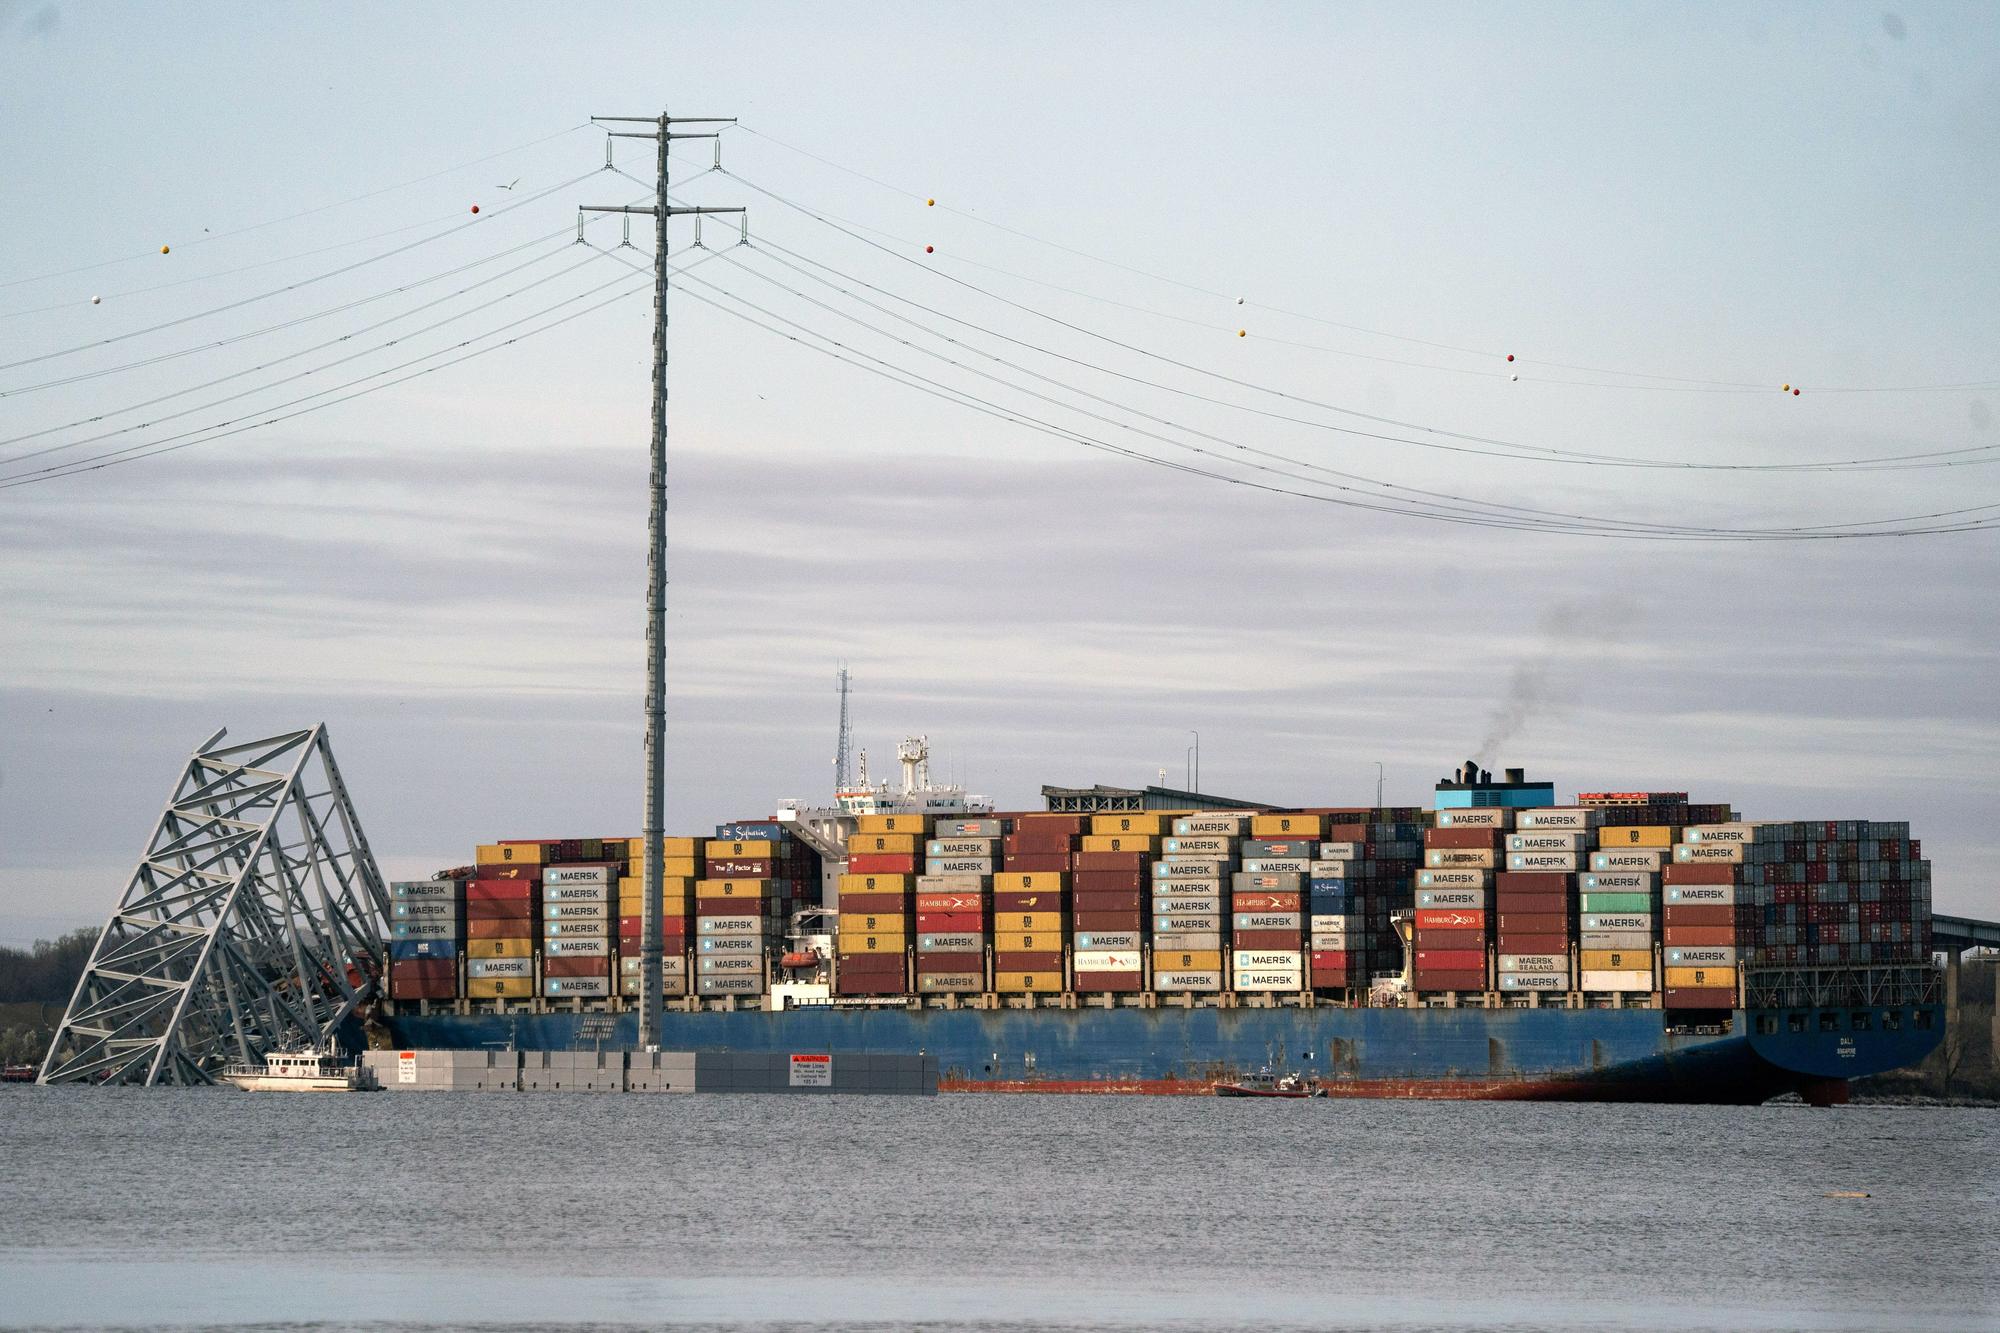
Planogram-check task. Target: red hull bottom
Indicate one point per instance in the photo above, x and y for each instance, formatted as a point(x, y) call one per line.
point(1488, 1090)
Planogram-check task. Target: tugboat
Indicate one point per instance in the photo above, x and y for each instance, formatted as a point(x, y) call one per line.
point(310, 1070)
point(1264, 1083)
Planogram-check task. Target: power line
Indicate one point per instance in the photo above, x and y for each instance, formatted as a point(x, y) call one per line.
point(289, 287)
point(1687, 383)
point(225, 429)
point(308, 212)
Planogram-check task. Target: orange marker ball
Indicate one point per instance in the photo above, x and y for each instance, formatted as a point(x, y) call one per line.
point(163, 249)
point(1242, 333)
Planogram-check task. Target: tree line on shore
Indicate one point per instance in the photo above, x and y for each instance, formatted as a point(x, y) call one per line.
point(44, 973)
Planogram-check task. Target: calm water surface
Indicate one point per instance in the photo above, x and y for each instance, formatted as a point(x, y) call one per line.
point(216, 1208)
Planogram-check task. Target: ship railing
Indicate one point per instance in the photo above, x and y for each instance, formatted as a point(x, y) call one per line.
point(1891, 986)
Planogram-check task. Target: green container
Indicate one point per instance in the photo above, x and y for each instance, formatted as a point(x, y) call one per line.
point(1617, 902)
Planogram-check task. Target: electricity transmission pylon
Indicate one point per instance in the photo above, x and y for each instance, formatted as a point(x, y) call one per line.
point(252, 923)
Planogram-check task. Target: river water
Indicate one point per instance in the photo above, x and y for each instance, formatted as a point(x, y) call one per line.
point(125, 1208)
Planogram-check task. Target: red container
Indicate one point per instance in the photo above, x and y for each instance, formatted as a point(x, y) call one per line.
point(950, 923)
point(952, 902)
point(1451, 960)
point(1107, 981)
point(1107, 881)
point(1700, 936)
point(950, 962)
point(1475, 838)
point(1450, 918)
point(733, 868)
point(1126, 900)
point(1028, 962)
point(1029, 902)
point(489, 910)
point(1436, 981)
point(882, 863)
point(1700, 914)
point(1037, 843)
point(852, 985)
point(1518, 943)
point(1037, 862)
point(1546, 904)
point(1259, 900)
point(1328, 978)
point(739, 907)
point(1109, 921)
point(1532, 881)
point(446, 989)
point(499, 890)
point(1452, 939)
point(519, 874)
point(415, 970)
point(1069, 826)
point(1334, 958)
point(1112, 861)
point(509, 928)
point(1701, 872)
point(871, 965)
point(1269, 939)
point(567, 965)
point(671, 924)
point(872, 902)
point(1700, 997)
point(1533, 923)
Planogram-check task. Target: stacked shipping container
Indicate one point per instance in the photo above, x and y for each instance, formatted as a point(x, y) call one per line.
point(681, 863)
point(954, 901)
point(1267, 907)
point(1031, 903)
point(1110, 899)
point(502, 926)
point(877, 925)
point(1190, 914)
point(1451, 934)
point(427, 934)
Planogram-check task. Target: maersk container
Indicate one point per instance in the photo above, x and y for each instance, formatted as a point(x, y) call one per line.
point(950, 982)
point(1560, 817)
point(1489, 817)
point(1293, 921)
point(1556, 862)
point(1534, 962)
point(1549, 840)
point(1638, 858)
point(1454, 879)
point(1271, 979)
point(1195, 871)
point(1266, 959)
point(949, 847)
point(424, 930)
point(425, 888)
point(1738, 833)
point(563, 987)
point(597, 911)
point(500, 967)
point(576, 893)
point(729, 925)
point(600, 875)
point(731, 985)
point(1615, 981)
point(1178, 980)
point(1213, 846)
point(1722, 853)
point(1277, 865)
point(1202, 826)
point(954, 943)
point(1183, 901)
point(1634, 921)
point(1537, 981)
point(730, 965)
point(1124, 940)
point(730, 944)
point(577, 947)
point(1636, 881)
point(1462, 858)
point(424, 909)
point(1706, 894)
point(1693, 956)
point(960, 865)
point(671, 965)
point(1468, 898)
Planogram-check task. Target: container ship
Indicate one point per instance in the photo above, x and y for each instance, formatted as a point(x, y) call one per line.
point(1629, 946)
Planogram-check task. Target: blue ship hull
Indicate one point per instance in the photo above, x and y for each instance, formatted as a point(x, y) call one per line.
point(1567, 1054)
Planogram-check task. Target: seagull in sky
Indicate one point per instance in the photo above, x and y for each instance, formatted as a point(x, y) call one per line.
point(509, 185)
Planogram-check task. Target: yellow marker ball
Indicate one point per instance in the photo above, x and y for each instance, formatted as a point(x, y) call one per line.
point(1784, 388)
point(930, 203)
point(1242, 333)
point(163, 249)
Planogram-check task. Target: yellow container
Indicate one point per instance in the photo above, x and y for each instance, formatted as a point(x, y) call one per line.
point(500, 988)
point(874, 883)
point(509, 854)
point(873, 923)
point(1287, 826)
point(1120, 842)
point(636, 847)
point(1027, 941)
point(1209, 960)
point(1036, 881)
point(912, 824)
point(520, 948)
point(1614, 836)
point(1031, 983)
point(1701, 976)
point(870, 844)
point(673, 867)
point(872, 943)
point(1148, 822)
point(1615, 960)
point(1032, 921)
point(731, 888)
point(756, 849)
point(675, 891)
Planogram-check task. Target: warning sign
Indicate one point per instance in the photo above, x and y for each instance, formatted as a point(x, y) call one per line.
point(406, 1067)
point(812, 1071)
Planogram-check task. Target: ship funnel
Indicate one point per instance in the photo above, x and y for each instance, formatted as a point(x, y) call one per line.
point(1517, 775)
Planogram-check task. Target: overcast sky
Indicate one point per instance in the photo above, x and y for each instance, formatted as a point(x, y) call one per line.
point(449, 572)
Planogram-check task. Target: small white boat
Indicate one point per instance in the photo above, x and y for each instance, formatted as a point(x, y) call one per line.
point(302, 1071)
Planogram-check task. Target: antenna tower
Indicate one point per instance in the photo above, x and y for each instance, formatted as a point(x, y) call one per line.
point(843, 764)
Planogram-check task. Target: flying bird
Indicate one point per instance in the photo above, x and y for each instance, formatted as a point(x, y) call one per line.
point(509, 185)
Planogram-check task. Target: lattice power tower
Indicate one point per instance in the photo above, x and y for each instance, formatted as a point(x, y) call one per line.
point(253, 923)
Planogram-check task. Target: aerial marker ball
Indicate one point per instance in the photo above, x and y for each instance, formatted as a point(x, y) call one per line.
point(1239, 300)
point(1795, 393)
point(1510, 356)
point(1784, 388)
point(1514, 377)
point(930, 203)
point(1242, 333)
point(97, 300)
point(163, 249)
point(475, 208)
point(929, 249)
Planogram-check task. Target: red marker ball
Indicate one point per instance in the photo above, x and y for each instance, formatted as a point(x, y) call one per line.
point(1795, 393)
point(1510, 355)
point(475, 208)
point(929, 248)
